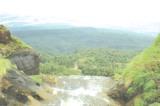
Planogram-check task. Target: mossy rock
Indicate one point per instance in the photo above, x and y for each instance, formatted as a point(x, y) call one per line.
point(9, 43)
point(19, 89)
point(14, 45)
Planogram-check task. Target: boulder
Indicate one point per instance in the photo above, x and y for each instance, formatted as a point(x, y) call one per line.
point(17, 89)
point(26, 60)
point(117, 92)
point(5, 35)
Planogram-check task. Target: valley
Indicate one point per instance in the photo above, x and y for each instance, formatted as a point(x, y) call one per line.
point(88, 69)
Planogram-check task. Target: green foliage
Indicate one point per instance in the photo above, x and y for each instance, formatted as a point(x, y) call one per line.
point(131, 91)
point(157, 41)
point(142, 73)
point(155, 104)
point(52, 68)
point(12, 46)
point(43, 78)
point(20, 43)
point(138, 102)
point(87, 62)
point(102, 62)
point(149, 85)
point(37, 78)
point(150, 96)
point(5, 65)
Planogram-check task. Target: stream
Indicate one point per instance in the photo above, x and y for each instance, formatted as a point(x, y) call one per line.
point(82, 91)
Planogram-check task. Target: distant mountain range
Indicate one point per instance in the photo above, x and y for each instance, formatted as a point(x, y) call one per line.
point(20, 22)
point(66, 40)
point(48, 36)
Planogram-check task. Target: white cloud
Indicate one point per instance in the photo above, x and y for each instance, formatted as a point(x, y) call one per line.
point(124, 13)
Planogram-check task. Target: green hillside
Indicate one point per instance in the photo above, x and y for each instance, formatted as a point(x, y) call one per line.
point(69, 40)
point(142, 77)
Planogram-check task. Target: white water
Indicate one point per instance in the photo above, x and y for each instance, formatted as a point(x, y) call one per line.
point(82, 91)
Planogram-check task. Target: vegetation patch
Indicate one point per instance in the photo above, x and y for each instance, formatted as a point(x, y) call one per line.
point(142, 76)
point(12, 46)
point(5, 65)
point(42, 78)
point(98, 62)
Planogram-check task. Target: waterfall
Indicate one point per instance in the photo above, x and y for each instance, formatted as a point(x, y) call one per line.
point(82, 91)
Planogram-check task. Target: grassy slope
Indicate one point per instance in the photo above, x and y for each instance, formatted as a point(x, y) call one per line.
point(141, 76)
point(12, 46)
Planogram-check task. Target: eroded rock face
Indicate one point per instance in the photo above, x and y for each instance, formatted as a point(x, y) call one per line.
point(26, 60)
point(17, 89)
point(5, 35)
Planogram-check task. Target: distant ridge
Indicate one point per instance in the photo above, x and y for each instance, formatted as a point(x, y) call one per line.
point(70, 39)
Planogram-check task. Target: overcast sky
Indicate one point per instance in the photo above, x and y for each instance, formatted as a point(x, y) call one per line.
point(101, 13)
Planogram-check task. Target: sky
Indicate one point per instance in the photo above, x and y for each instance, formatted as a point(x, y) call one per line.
point(136, 14)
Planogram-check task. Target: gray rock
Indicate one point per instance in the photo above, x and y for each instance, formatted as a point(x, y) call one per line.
point(20, 80)
point(5, 35)
point(26, 60)
point(15, 88)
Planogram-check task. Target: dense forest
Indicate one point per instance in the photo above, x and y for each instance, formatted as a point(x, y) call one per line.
point(102, 62)
point(68, 40)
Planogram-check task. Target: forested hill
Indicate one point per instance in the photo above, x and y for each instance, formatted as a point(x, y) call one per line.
point(142, 78)
point(70, 39)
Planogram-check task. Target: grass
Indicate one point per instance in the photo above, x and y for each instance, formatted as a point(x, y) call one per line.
point(5, 65)
point(37, 78)
point(15, 44)
point(20, 43)
point(43, 78)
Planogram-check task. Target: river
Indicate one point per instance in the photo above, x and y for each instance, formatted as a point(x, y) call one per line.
point(82, 91)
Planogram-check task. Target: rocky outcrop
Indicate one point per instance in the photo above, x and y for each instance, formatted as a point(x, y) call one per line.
point(27, 61)
point(17, 89)
point(18, 52)
point(5, 35)
point(117, 92)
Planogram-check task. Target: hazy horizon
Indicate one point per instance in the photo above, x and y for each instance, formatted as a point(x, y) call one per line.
point(136, 15)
